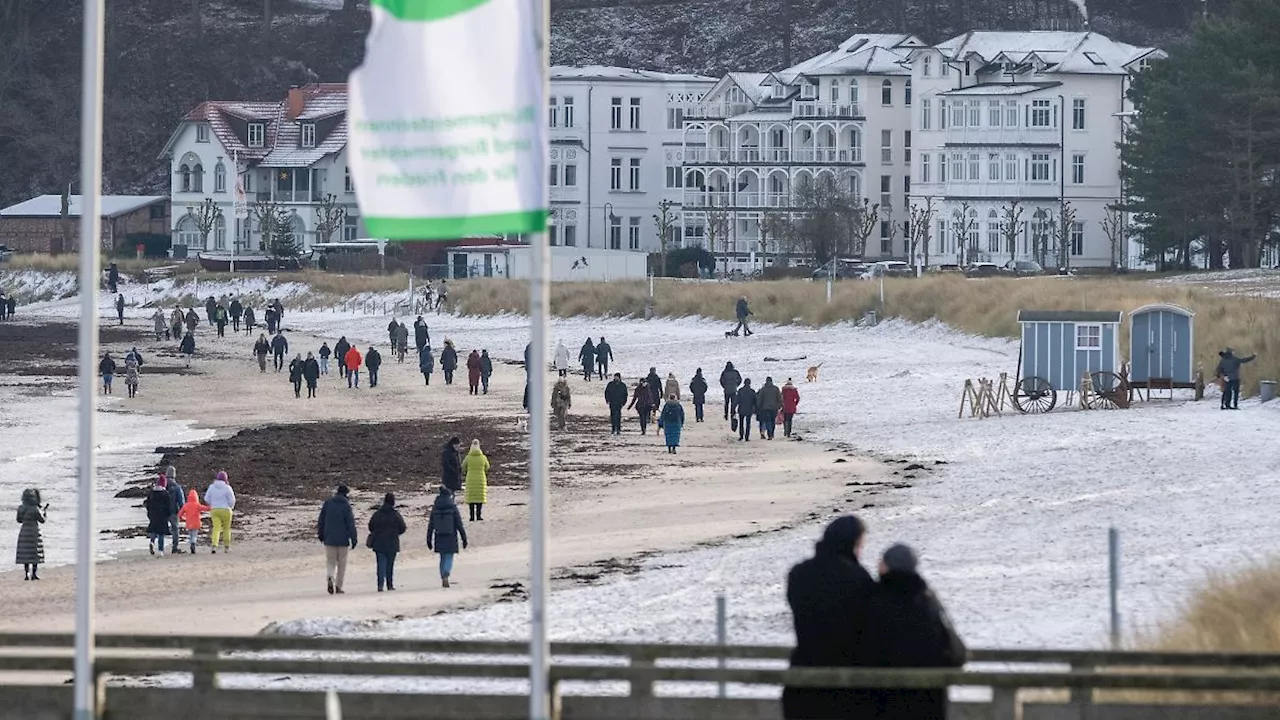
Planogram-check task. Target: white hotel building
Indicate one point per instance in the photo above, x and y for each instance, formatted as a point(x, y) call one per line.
point(974, 123)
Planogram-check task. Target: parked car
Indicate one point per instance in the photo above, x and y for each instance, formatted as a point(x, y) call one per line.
point(889, 268)
point(982, 270)
point(845, 269)
point(1022, 268)
point(946, 269)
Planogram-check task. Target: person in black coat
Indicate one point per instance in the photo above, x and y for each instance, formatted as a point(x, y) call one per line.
point(250, 322)
point(654, 384)
point(745, 402)
point(187, 347)
point(443, 530)
point(340, 349)
point(830, 596)
point(311, 373)
point(236, 310)
point(385, 528)
point(279, 346)
point(615, 395)
point(295, 374)
point(159, 506)
point(451, 464)
point(373, 361)
point(421, 334)
point(120, 308)
point(730, 379)
point(908, 628)
point(604, 354)
point(448, 361)
point(587, 356)
point(336, 529)
point(698, 389)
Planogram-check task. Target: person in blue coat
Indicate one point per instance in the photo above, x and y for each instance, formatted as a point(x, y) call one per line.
point(336, 528)
point(426, 363)
point(672, 422)
point(443, 530)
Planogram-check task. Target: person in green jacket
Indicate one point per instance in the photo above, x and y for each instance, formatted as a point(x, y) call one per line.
point(476, 467)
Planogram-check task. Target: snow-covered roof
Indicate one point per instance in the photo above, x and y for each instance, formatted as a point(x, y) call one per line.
point(988, 89)
point(752, 84)
point(51, 205)
point(320, 102)
point(1063, 52)
point(874, 54)
point(609, 72)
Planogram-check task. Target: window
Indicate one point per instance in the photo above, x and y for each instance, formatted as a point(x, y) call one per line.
point(1011, 167)
point(779, 90)
point(957, 166)
point(220, 233)
point(906, 147)
point(1039, 167)
point(994, 113)
point(993, 232)
point(257, 134)
point(1041, 116)
point(886, 92)
point(944, 67)
point(926, 114)
point(571, 175)
point(808, 91)
point(1011, 113)
point(633, 234)
point(924, 168)
point(1077, 239)
point(975, 167)
point(675, 118)
point(567, 116)
point(635, 173)
point(1077, 114)
point(1095, 58)
point(835, 91)
point(942, 114)
point(553, 113)
point(906, 93)
point(675, 177)
point(615, 114)
point(957, 114)
point(975, 113)
point(308, 135)
point(197, 178)
point(886, 147)
point(220, 177)
point(886, 242)
point(853, 92)
point(554, 174)
point(1077, 169)
point(185, 172)
point(993, 167)
point(347, 185)
point(886, 190)
point(615, 232)
point(615, 174)
point(926, 66)
point(350, 228)
point(635, 113)
point(942, 234)
point(202, 133)
point(942, 167)
point(1088, 337)
point(570, 235)
point(553, 234)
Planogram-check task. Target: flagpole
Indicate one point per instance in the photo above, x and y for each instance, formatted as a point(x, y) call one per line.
point(539, 425)
point(90, 246)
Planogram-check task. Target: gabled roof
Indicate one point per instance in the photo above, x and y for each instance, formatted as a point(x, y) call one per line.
point(51, 205)
point(876, 54)
point(319, 102)
point(752, 84)
point(1087, 53)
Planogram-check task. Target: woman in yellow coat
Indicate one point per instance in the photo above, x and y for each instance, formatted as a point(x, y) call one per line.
point(476, 466)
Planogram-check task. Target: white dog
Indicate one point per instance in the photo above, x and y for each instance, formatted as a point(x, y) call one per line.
point(522, 423)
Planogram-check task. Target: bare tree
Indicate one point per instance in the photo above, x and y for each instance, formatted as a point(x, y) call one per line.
point(824, 215)
point(664, 220)
point(330, 217)
point(773, 227)
point(866, 219)
point(271, 219)
point(891, 226)
point(1010, 224)
point(206, 216)
point(921, 222)
point(1064, 226)
point(717, 229)
point(1041, 228)
point(1113, 228)
point(965, 224)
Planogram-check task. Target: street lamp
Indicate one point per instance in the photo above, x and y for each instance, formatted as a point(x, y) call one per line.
point(609, 218)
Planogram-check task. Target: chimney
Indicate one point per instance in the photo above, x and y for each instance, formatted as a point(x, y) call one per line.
point(297, 103)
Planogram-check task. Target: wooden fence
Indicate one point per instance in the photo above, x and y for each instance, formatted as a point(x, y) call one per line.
point(151, 676)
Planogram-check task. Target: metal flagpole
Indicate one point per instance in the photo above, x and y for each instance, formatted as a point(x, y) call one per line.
point(539, 425)
point(90, 212)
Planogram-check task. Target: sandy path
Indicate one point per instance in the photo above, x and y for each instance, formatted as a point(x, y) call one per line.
point(715, 488)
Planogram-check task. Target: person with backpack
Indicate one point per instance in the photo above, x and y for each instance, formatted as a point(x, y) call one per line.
point(444, 528)
point(768, 405)
point(193, 320)
point(386, 525)
point(615, 396)
point(336, 529)
point(698, 389)
point(340, 349)
point(671, 421)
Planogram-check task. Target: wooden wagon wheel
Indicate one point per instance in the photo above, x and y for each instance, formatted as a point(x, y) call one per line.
point(1110, 391)
point(1034, 395)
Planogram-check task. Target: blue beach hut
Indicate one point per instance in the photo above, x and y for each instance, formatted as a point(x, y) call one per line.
point(1161, 354)
point(1058, 348)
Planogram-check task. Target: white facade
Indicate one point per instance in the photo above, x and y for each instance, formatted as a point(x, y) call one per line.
point(568, 264)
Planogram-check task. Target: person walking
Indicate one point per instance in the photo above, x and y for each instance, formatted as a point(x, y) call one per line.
point(271, 319)
point(189, 513)
point(178, 495)
point(742, 312)
point(671, 421)
point(176, 322)
point(442, 295)
point(604, 354)
point(193, 320)
point(393, 331)
point(311, 373)
point(421, 333)
point(336, 528)
point(30, 551)
point(386, 525)
point(295, 374)
point(790, 403)
point(672, 387)
point(236, 311)
point(561, 401)
point(426, 363)
point(698, 389)
point(162, 327)
point(907, 627)
point(324, 353)
point(187, 347)
point(220, 320)
point(587, 357)
point(159, 507)
point(402, 342)
point(373, 361)
point(615, 396)
point(476, 466)
point(745, 401)
point(120, 308)
point(654, 383)
point(113, 278)
point(1229, 370)
point(10, 307)
point(730, 379)
point(830, 596)
point(107, 369)
point(352, 360)
point(340, 349)
point(642, 401)
point(768, 405)
point(473, 372)
point(444, 528)
point(261, 349)
point(222, 499)
point(448, 361)
point(210, 308)
point(250, 321)
point(279, 346)
point(451, 464)
point(561, 358)
point(486, 370)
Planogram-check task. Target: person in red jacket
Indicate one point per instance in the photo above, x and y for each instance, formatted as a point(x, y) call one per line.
point(352, 361)
point(790, 401)
point(473, 372)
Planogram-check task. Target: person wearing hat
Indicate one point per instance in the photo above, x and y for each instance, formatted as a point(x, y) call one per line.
point(790, 403)
point(444, 528)
point(159, 507)
point(908, 628)
point(476, 466)
point(386, 525)
point(222, 500)
point(30, 550)
point(451, 464)
point(1229, 370)
point(830, 595)
point(336, 529)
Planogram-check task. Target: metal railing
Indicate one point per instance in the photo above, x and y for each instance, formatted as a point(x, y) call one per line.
point(815, 109)
point(716, 111)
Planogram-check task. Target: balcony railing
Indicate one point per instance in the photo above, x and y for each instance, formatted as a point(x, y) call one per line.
point(814, 109)
point(827, 155)
point(292, 196)
point(740, 199)
point(716, 111)
point(726, 156)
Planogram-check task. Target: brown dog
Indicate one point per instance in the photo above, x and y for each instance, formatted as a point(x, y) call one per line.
point(812, 374)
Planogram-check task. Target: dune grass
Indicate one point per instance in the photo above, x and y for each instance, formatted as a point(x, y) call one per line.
point(1239, 612)
point(70, 262)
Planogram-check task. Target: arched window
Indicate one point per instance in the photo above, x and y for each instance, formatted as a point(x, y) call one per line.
point(855, 186)
point(188, 233)
point(197, 178)
point(220, 233)
point(973, 232)
point(695, 179)
point(220, 178)
point(906, 93)
point(993, 231)
point(299, 230)
point(185, 172)
point(886, 92)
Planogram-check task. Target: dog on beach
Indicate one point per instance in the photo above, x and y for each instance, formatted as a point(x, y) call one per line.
point(812, 374)
point(729, 333)
point(522, 423)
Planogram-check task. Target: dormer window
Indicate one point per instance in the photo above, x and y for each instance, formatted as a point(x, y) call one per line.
point(926, 65)
point(202, 133)
point(809, 91)
point(308, 135)
point(257, 134)
point(779, 90)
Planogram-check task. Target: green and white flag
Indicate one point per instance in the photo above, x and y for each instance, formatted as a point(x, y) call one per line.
point(446, 137)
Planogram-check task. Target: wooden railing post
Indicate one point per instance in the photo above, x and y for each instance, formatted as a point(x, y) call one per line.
point(554, 696)
point(642, 688)
point(203, 676)
point(1004, 704)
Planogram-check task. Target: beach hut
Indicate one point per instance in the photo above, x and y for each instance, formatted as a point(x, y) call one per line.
point(1160, 347)
point(1060, 347)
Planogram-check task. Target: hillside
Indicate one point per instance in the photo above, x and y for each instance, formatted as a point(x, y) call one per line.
point(161, 62)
